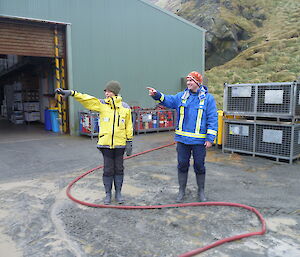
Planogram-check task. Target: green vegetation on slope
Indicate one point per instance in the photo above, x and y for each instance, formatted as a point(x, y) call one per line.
point(272, 53)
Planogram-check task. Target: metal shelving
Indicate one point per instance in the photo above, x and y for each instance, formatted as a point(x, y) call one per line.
point(153, 120)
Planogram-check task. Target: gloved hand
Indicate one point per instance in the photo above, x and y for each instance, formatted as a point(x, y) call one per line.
point(65, 93)
point(128, 148)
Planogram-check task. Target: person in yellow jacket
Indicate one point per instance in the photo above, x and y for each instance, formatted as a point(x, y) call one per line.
point(115, 133)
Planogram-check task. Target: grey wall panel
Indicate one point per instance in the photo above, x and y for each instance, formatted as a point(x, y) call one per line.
point(130, 41)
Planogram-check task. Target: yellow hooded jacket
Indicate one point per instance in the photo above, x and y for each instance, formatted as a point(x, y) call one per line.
point(115, 122)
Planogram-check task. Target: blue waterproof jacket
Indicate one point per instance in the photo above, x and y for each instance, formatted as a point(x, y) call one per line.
point(197, 117)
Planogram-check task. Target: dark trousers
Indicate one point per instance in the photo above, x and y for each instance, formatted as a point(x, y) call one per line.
point(113, 161)
point(184, 154)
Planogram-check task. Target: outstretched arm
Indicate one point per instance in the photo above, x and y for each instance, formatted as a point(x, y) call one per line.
point(165, 100)
point(89, 102)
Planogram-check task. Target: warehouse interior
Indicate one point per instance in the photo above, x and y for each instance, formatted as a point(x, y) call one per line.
point(28, 75)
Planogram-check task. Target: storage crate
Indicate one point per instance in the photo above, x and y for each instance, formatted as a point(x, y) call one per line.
point(31, 106)
point(280, 141)
point(238, 136)
point(89, 123)
point(149, 120)
point(32, 116)
point(278, 100)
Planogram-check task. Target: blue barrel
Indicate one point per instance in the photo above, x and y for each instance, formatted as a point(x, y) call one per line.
point(47, 120)
point(54, 120)
point(96, 124)
point(154, 121)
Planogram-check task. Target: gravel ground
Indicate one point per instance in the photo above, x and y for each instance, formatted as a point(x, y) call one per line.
point(38, 219)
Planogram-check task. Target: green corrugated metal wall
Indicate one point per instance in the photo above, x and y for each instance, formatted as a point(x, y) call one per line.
point(126, 40)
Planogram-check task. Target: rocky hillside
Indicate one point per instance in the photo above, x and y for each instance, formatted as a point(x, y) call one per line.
point(227, 23)
point(247, 41)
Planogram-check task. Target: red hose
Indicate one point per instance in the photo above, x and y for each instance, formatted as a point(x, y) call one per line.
point(190, 253)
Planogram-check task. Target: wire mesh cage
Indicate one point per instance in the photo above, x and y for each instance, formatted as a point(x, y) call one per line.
point(263, 138)
point(274, 140)
point(279, 99)
point(238, 136)
point(88, 123)
point(239, 98)
point(274, 98)
point(297, 100)
point(296, 145)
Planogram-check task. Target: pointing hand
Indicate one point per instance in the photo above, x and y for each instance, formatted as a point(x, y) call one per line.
point(152, 91)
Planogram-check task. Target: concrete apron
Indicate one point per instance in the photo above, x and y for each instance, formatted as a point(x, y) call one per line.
point(37, 219)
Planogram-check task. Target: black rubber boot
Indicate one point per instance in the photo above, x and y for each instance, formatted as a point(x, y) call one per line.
point(107, 181)
point(200, 182)
point(118, 188)
point(182, 180)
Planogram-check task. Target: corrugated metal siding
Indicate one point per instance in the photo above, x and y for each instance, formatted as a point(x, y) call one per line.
point(125, 40)
point(28, 38)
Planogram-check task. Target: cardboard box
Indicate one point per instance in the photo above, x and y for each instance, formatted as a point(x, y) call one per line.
point(32, 116)
point(31, 106)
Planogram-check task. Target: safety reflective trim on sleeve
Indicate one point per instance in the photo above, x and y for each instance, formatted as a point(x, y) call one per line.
point(189, 134)
point(162, 98)
point(213, 132)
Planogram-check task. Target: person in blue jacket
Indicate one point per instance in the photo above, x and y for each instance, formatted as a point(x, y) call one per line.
point(197, 125)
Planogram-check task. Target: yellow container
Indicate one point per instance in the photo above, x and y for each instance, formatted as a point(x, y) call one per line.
point(219, 137)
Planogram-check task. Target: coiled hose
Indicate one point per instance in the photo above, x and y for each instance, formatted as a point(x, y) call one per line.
point(190, 253)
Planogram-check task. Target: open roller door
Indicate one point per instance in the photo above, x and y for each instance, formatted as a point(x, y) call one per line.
point(32, 58)
point(27, 38)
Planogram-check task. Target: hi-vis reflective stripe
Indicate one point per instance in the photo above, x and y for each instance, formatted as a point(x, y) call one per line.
point(190, 134)
point(161, 99)
point(213, 132)
point(198, 122)
point(199, 117)
point(181, 117)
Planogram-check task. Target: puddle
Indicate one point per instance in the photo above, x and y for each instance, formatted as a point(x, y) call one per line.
point(276, 223)
point(131, 190)
point(160, 176)
point(8, 247)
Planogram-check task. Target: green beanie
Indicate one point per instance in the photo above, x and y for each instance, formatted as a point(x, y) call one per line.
point(113, 86)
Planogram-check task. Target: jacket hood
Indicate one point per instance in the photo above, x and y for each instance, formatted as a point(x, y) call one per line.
point(202, 89)
point(201, 92)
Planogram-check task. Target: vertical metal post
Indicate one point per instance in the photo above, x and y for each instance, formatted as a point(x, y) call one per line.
point(64, 104)
point(57, 77)
point(255, 100)
point(225, 98)
point(293, 100)
point(69, 61)
point(224, 135)
point(292, 143)
point(254, 139)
